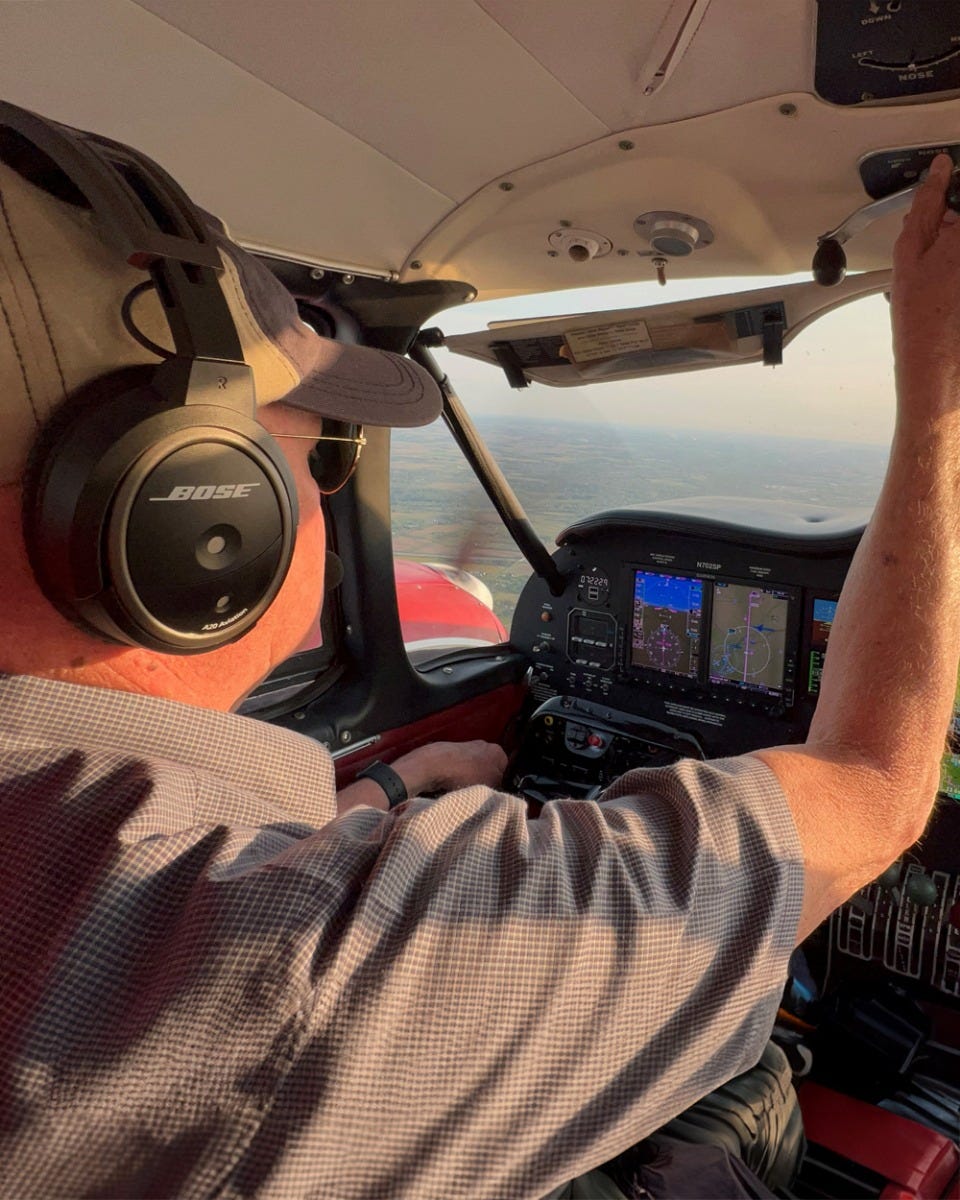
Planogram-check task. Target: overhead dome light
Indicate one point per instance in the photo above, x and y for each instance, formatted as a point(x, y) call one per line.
point(672, 234)
point(674, 238)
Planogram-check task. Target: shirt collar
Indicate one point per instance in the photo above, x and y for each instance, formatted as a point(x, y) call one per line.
point(283, 768)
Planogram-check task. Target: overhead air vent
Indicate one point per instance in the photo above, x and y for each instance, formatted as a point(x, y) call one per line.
point(579, 245)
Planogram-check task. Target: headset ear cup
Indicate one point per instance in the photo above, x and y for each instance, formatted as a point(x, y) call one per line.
point(84, 400)
point(87, 399)
point(163, 525)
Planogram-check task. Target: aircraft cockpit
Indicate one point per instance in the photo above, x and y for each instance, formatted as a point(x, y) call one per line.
point(615, 235)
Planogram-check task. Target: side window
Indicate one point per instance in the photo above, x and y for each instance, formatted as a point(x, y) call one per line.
point(456, 569)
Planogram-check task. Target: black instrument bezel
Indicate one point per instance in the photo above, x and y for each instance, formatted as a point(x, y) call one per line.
point(702, 681)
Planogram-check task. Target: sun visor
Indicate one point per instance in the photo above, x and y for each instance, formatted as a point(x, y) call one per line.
point(631, 343)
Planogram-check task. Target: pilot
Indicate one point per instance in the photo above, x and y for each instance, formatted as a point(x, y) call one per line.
point(212, 983)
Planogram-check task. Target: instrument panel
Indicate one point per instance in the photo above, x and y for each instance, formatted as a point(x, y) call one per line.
point(702, 629)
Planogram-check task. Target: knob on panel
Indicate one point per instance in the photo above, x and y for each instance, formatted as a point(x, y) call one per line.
point(922, 890)
point(891, 876)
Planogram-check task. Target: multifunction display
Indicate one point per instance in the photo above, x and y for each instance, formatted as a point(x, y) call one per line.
point(665, 627)
point(748, 636)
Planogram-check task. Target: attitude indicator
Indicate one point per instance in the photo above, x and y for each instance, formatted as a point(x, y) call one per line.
point(665, 630)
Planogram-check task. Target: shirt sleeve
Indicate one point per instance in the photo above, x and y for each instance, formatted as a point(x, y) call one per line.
point(502, 1004)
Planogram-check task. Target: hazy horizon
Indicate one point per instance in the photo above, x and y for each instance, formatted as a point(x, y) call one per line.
point(562, 473)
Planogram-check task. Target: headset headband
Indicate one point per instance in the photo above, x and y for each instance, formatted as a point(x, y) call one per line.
point(152, 222)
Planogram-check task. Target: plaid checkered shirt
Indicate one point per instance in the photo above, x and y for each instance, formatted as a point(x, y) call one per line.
point(212, 986)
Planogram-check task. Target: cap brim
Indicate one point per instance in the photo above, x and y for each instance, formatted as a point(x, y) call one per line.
point(368, 387)
point(338, 380)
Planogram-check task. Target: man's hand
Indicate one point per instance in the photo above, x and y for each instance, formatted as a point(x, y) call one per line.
point(926, 304)
point(446, 766)
point(438, 767)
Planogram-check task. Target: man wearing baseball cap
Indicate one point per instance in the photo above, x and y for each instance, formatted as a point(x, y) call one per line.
point(213, 985)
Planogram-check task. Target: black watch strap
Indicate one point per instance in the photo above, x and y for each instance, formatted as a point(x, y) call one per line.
point(388, 779)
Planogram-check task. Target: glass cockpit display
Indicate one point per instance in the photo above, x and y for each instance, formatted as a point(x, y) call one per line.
point(824, 612)
point(748, 636)
point(665, 626)
point(950, 763)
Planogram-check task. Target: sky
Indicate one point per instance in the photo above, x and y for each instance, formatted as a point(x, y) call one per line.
point(836, 381)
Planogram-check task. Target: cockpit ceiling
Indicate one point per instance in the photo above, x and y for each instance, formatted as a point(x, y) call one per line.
point(381, 135)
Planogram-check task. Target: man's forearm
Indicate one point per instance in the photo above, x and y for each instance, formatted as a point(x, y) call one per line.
point(891, 670)
point(862, 787)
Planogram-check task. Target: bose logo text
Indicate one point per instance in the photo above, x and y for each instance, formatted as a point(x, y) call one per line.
point(209, 491)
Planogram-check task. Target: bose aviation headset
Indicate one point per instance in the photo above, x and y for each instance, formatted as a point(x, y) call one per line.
point(157, 511)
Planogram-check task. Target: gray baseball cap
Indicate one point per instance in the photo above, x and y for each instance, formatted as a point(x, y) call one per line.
point(62, 287)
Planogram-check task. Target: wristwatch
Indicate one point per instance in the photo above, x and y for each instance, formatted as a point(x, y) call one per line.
point(388, 779)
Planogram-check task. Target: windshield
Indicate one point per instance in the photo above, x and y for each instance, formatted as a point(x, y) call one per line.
point(816, 430)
